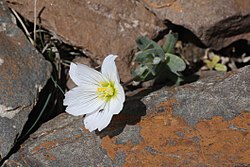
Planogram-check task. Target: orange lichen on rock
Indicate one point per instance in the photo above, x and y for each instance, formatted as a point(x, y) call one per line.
point(168, 140)
point(226, 142)
point(46, 145)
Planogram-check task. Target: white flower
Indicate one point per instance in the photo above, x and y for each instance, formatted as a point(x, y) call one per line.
point(99, 95)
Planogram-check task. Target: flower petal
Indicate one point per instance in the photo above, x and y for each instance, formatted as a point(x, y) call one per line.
point(109, 68)
point(84, 75)
point(116, 103)
point(82, 100)
point(98, 120)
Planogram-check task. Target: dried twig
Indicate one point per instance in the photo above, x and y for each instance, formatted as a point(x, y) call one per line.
point(34, 30)
point(23, 25)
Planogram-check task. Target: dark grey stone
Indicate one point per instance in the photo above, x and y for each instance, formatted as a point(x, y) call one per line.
point(119, 159)
point(132, 135)
point(23, 73)
point(62, 141)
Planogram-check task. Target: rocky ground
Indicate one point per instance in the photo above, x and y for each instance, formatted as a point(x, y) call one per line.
point(201, 123)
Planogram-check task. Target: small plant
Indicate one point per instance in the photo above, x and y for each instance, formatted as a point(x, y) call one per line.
point(213, 63)
point(156, 61)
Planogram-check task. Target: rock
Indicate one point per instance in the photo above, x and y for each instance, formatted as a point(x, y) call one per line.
point(98, 27)
point(23, 73)
point(165, 136)
point(219, 95)
point(61, 142)
point(216, 23)
point(64, 141)
point(168, 141)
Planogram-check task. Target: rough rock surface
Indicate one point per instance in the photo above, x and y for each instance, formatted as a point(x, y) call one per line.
point(157, 138)
point(216, 23)
point(99, 27)
point(23, 73)
point(62, 142)
point(222, 95)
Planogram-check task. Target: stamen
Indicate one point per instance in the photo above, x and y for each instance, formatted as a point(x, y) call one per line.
point(106, 91)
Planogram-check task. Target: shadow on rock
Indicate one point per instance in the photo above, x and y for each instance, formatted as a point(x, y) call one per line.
point(131, 114)
point(185, 34)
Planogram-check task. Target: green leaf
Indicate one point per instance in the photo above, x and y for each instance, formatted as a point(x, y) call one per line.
point(141, 73)
point(142, 58)
point(150, 54)
point(215, 59)
point(175, 63)
point(170, 42)
point(209, 64)
point(220, 67)
point(148, 50)
point(152, 59)
point(144, 43)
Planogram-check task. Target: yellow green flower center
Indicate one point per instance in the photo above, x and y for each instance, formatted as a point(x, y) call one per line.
point(106, 91)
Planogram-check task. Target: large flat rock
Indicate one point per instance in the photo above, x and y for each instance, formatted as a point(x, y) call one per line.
point(99, 27)
point(182, 126)
point(23, 73)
